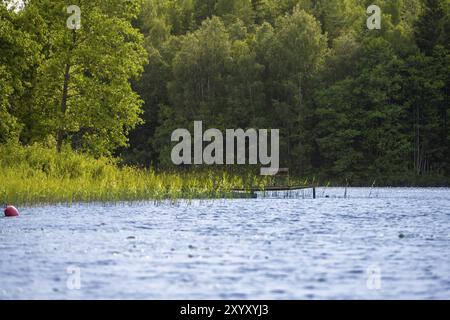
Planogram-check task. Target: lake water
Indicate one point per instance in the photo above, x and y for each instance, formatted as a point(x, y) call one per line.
point(346, 244)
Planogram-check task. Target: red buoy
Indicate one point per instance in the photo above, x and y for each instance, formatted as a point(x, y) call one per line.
point(11, 211)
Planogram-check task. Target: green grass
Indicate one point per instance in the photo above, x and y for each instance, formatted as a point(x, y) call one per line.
point(36, 175)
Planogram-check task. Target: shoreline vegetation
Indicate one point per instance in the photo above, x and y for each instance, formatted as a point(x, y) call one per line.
point(354, 106)
point(37, 175)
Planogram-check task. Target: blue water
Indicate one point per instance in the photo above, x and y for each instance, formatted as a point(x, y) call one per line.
point(347, 244)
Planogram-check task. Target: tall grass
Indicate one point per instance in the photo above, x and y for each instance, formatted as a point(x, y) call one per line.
point(36, 175)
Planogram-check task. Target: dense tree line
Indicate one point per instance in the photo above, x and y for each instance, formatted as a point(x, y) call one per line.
point(352, 104)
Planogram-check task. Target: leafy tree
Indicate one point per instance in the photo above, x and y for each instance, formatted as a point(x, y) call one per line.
point(360, 134)
point(215, 79)
point(293, 54)
point(18, 61)
point(432, 26)
point(425, 96)
point(82, 91)
point(336, 17)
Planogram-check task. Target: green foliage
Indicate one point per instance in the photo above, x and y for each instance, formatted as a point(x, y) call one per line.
point(72, 86)
point(432, 27)
point(38, 175)
point(352, 104)
point(360, 133)
point(19, 56)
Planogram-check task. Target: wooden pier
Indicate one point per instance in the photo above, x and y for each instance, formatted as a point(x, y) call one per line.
point(253, 191)
point(282, 178)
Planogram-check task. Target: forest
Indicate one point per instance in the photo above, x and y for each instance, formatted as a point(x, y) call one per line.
point(354, 106)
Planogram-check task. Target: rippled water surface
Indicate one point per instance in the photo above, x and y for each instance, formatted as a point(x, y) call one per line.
point(347, 244)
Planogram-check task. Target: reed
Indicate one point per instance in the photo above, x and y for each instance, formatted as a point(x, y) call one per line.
point(36, 175)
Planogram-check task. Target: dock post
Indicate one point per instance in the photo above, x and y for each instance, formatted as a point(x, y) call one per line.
point(314, 192)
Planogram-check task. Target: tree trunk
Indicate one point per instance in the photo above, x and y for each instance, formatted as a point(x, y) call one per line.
point(61, 130)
